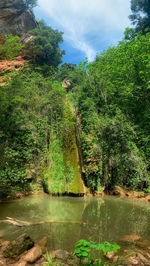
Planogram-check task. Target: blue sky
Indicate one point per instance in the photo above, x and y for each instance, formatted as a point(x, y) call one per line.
point(89, 26)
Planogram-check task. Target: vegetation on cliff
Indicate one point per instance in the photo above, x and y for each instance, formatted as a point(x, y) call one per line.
point(38, 142)
point(43, 48)
point(29, 104)
point(113, 101)
point(10, 47)
point(110, 99)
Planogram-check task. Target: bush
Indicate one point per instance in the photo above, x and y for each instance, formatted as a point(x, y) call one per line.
point(11, 47)
point(92, 252)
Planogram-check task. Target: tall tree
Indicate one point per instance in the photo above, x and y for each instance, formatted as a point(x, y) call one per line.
point(43, 49)
point(64, 71)
point(140, 16)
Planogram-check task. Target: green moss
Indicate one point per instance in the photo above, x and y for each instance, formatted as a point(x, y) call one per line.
point(63, 173)
point(71, 156)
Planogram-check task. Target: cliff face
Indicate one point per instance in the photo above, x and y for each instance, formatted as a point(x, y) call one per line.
point(15, 17)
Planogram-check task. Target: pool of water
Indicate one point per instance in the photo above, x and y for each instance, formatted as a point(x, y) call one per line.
point(105, 219)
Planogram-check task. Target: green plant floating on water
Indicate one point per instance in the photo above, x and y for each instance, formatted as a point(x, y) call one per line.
point(92, 253)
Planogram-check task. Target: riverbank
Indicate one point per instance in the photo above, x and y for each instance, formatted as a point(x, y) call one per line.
point(21, 195)
point(24, 252)
point(117, 191)
point(128, 193)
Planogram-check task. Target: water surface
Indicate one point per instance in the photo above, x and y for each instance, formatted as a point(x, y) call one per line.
point(106, 219)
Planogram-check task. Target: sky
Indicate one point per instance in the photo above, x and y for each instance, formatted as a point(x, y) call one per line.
point(88, 26)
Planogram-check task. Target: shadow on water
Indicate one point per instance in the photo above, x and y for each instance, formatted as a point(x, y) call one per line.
point(106, 219)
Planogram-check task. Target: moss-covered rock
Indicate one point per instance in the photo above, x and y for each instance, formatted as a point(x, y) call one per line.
point(63, 174)
point(18, 246)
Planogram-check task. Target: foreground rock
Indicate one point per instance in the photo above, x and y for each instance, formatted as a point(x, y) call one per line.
point(21, 252)
point(33, 254)
point(138, 241)
point(42, 244)
point(63, 257)
point(60, 254)
point(18, 246)
point(130, 238)
point(4, 245)
point(140, 255)
point(136, 259)
point(129, 258)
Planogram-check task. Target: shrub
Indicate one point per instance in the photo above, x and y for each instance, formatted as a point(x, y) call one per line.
point(11, 47)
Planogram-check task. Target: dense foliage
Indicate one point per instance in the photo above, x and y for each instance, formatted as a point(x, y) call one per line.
point(107, 105)
point(43, 48)
point(10, 47)
point(93, 253)
point(114, 103)
point(64, 71)
point(30, 105)
point(140, 16)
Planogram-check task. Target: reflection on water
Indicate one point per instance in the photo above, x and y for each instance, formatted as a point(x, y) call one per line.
point(106, 218)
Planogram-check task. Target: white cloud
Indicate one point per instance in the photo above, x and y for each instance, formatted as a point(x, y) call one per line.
point(82, 20)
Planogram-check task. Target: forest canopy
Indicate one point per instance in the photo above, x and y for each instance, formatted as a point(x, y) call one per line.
point(107, 104)
point(44, 49)
point(140, 16)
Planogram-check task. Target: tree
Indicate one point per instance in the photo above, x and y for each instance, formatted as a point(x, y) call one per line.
point(31, 3)
point(43, 49)
point(30, 106)
point(64, 71)
point(129, 34)
point(113, 104)
point(140, 16)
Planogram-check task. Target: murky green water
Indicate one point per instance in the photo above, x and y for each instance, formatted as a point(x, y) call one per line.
point(106, 218)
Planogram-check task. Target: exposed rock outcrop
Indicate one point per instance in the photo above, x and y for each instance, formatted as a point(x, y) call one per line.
point(10, 65)
point(66, 84)
point(15, 17)
point(18, 246)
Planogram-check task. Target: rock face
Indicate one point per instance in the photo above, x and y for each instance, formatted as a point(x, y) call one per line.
point(66, 84)
point(7, 65)
point(15, 17)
